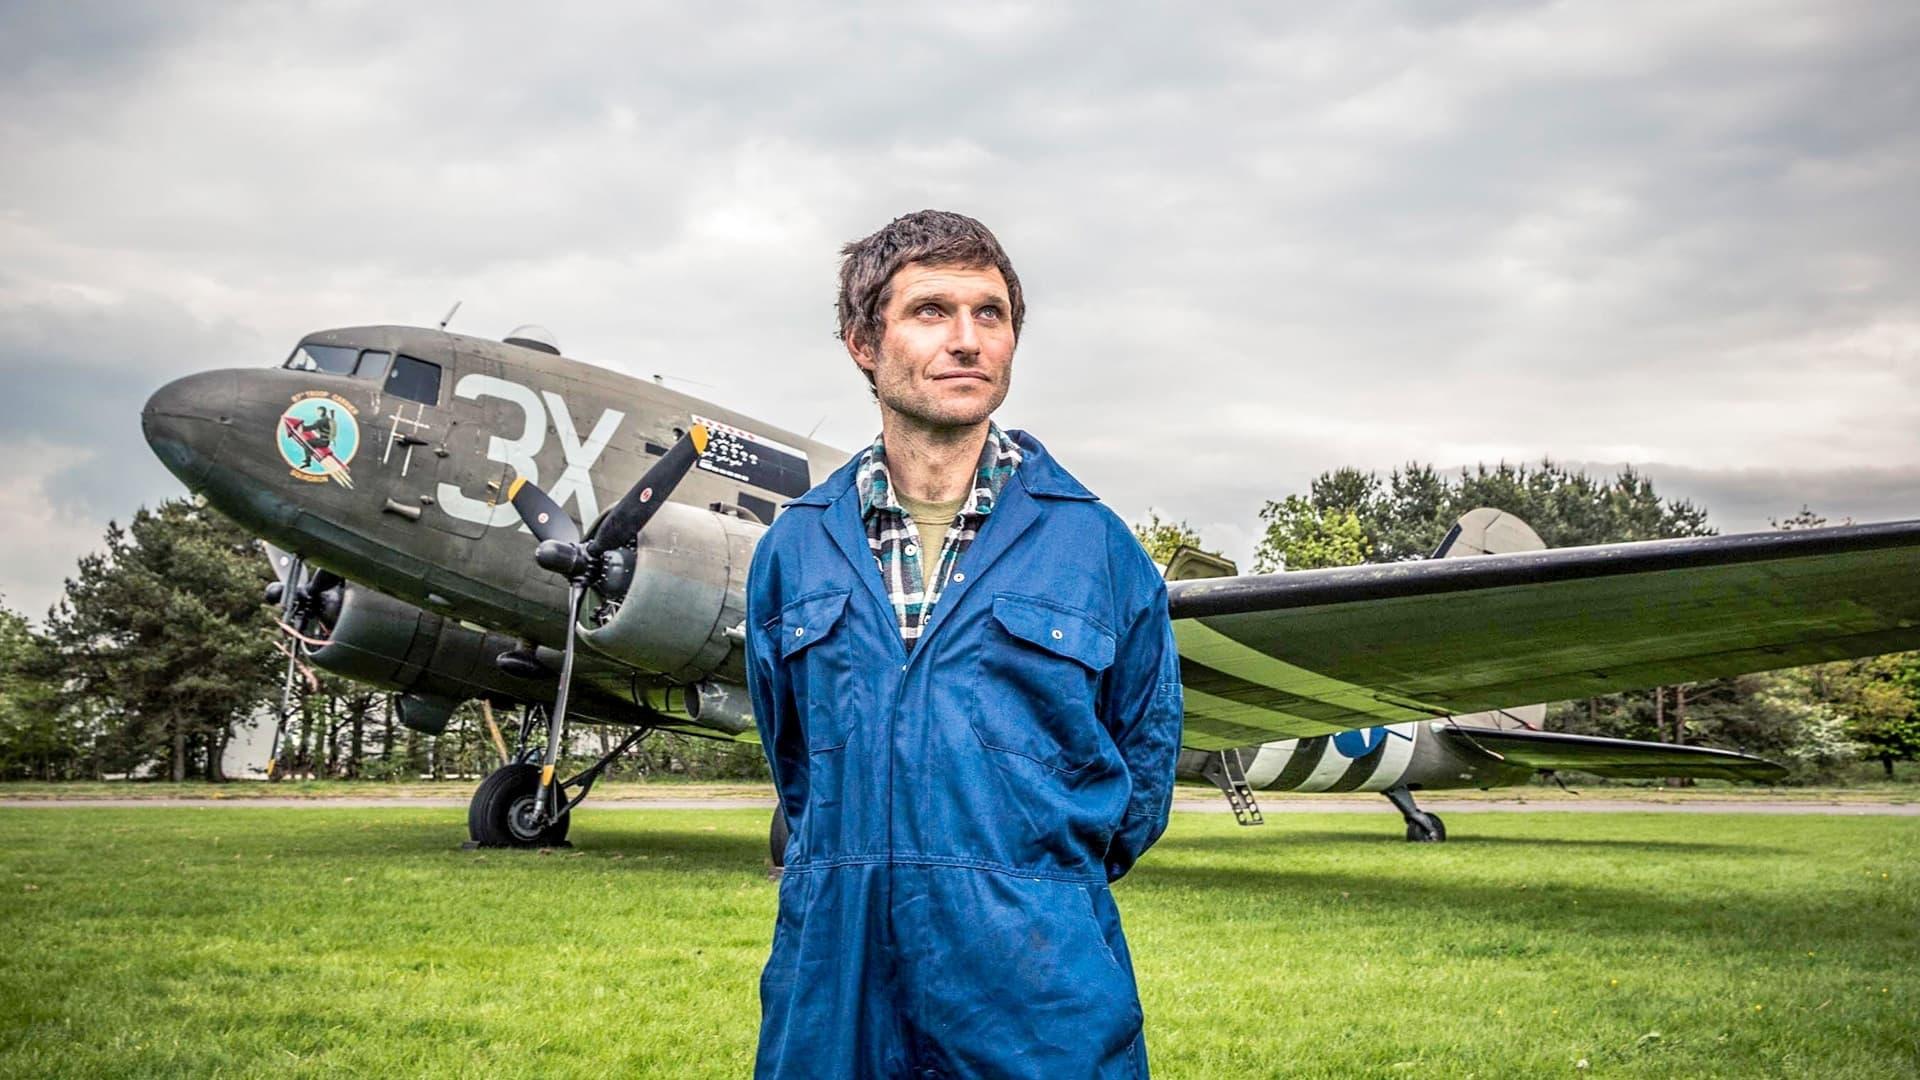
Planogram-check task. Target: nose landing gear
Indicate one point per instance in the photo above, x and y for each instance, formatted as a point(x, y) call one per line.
point(506, 811)
point(515, 808)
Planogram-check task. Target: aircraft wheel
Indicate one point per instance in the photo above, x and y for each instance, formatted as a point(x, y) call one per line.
point(501, 813)
point(1433, 832)
point(777, 838)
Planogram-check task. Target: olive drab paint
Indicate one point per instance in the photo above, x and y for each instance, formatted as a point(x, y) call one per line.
point(400, 485)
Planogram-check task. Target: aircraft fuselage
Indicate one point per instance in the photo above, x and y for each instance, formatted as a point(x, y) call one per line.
point(383, 453)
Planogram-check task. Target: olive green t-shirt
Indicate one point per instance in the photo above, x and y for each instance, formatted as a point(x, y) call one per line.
point(932, 519)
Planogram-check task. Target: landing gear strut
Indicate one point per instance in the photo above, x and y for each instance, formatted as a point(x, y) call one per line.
point(1422, 827)
point(512, 808)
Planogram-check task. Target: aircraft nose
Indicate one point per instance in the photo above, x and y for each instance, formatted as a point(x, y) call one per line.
point(185, 422)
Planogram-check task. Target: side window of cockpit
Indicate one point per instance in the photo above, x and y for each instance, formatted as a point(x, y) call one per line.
point(373, 365)
point(334, 359)
point(415, 380)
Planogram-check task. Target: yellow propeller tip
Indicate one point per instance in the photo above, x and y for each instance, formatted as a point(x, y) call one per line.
point(546, 775)
point(513, 489)
point(698, 433)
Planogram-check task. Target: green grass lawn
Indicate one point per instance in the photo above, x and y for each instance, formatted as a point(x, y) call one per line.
point(225, 941)
point(1869, 789)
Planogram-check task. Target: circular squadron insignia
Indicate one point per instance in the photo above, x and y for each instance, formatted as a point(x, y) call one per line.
point(318, 435)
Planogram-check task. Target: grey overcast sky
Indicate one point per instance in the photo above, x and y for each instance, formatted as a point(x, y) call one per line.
point(1259, 241)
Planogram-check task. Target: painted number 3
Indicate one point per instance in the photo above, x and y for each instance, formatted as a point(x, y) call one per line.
point(578, 455)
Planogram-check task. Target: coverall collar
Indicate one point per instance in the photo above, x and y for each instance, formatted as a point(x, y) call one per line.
point(1039, 473)
point(1038, 478)
point(999, 457)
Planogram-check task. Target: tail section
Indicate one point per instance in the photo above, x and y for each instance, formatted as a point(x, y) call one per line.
point(1487, 531)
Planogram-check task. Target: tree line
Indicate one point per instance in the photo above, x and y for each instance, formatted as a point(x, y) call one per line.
point(1816, 720)
point(162, 651)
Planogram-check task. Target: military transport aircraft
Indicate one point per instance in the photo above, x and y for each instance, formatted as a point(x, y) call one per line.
point(454, 518)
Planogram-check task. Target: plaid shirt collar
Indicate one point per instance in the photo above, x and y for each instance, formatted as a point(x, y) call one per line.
point(894, 539)
point(998, 459)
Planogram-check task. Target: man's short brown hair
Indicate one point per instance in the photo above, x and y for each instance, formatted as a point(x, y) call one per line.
point(928, 237)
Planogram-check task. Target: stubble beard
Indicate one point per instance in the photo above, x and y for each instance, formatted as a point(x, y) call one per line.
point(922, 410)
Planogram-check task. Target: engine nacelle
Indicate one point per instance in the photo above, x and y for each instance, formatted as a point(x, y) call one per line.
point(721, 706)
point(394, 645)
point(686, 592)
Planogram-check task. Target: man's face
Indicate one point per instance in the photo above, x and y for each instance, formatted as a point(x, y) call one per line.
point(946, 355)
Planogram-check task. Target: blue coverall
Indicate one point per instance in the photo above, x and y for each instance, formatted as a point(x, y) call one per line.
point(958, 812)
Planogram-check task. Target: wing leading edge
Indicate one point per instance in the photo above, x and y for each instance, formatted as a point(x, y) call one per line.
point(1314, 652)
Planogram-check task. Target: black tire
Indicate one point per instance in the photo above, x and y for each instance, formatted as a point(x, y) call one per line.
point(500, 811)
point(1433, 833)
point(777, 838)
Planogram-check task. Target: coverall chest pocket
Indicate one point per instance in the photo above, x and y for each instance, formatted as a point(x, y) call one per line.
point(817, 652)
point(1039, 676)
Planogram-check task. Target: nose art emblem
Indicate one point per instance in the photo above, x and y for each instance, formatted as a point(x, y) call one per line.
point(318, 435)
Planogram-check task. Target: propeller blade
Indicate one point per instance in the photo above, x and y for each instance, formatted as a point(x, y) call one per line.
point(560, 551)
point(576, 593)
point(638, 506)
point(543, 516)
point(322, 580)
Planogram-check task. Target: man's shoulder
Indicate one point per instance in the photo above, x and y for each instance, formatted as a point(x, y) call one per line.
point(1087, 515)
point(798, 523)
point(1126, 551)
point(807, 507)
point(1069, 506)
point(789, 559)
point(1042, 474)
point(822, 495)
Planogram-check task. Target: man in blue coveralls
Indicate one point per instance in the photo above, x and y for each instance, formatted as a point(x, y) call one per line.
point(967, 688)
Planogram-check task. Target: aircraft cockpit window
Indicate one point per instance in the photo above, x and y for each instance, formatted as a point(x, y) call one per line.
point(334, 359)
point(373, 365)
point(415, 380)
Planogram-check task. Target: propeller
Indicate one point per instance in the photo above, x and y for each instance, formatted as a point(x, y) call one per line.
point(584, 562)
point(300, 600)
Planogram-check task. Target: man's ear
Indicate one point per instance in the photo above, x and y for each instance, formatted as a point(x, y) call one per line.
point(862, 354)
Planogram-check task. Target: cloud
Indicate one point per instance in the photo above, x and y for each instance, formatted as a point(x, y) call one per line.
point(1752, 500)
point(1258, 245)
point(38, 558)
point(78, 366)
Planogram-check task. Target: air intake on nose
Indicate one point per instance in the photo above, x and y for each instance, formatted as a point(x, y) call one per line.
point(534, 337)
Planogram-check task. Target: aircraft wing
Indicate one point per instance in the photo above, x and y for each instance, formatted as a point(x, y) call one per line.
point(1314, 652)
point(1620, 758)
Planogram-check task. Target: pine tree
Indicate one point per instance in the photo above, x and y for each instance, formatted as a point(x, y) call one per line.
point(37, 739)
point(166, 632)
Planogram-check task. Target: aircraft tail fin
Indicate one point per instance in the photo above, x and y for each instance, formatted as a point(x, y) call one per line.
point(1487, 531)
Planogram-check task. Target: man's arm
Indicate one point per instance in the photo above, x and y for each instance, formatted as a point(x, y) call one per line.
point(1143, 713)
point(781, 738)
